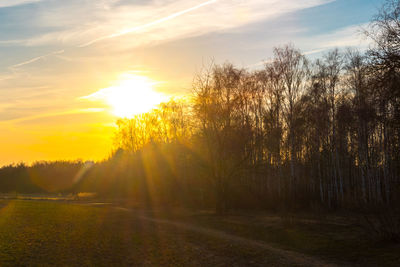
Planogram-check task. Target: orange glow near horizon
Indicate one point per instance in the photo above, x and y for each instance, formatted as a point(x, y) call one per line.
point(131, 95)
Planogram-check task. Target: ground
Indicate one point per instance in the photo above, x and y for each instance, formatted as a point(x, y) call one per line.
point(40, 233)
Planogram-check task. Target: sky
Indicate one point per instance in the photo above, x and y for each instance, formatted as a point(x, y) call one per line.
point(57, 57)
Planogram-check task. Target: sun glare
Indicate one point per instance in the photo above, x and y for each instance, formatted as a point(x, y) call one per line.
point(131, 95)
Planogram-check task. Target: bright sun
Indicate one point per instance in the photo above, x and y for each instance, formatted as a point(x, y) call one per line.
point(131, 95)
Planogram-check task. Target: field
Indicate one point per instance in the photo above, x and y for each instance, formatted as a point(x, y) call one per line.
point(34, 233)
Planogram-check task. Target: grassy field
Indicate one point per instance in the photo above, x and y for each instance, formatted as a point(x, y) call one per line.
point(335, 239)
point(40, 233)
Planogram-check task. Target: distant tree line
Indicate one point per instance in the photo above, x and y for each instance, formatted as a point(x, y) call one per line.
point(41, 177)
point(296, 133)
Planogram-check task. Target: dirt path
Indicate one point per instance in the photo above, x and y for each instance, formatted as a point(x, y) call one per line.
point(287, 257)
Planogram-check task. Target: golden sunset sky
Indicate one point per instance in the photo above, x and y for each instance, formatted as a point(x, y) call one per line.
point(65, 65)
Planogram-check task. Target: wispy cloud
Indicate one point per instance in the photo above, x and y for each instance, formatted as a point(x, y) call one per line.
point(32, 60)
point(168, 21)
point(148, 25)
point(342, 38)
point(194, 21)
point(4, 77)
point(9, 3)
point(12, 42)
point(315, 45)
point(83, 24)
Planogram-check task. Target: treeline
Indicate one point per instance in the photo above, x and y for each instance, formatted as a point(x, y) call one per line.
point(296, 133)
point(41, 177)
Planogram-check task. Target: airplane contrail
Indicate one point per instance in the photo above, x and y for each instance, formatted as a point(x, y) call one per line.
point(147, 25)
point(36, 59)
point(126, 31)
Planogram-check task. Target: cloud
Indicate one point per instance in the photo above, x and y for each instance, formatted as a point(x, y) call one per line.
point(183, 19)
point(9, 3)
point(4, 77)
point(122, 27)
point(148, 25)
point(342, 38)
point(32, 60)
point(12, 42)
point(81, 24)
point(314, 45)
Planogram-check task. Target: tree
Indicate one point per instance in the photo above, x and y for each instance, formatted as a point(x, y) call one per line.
point(291, 67)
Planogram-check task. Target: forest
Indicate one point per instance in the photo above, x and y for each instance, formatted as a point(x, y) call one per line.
point(300, 133)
